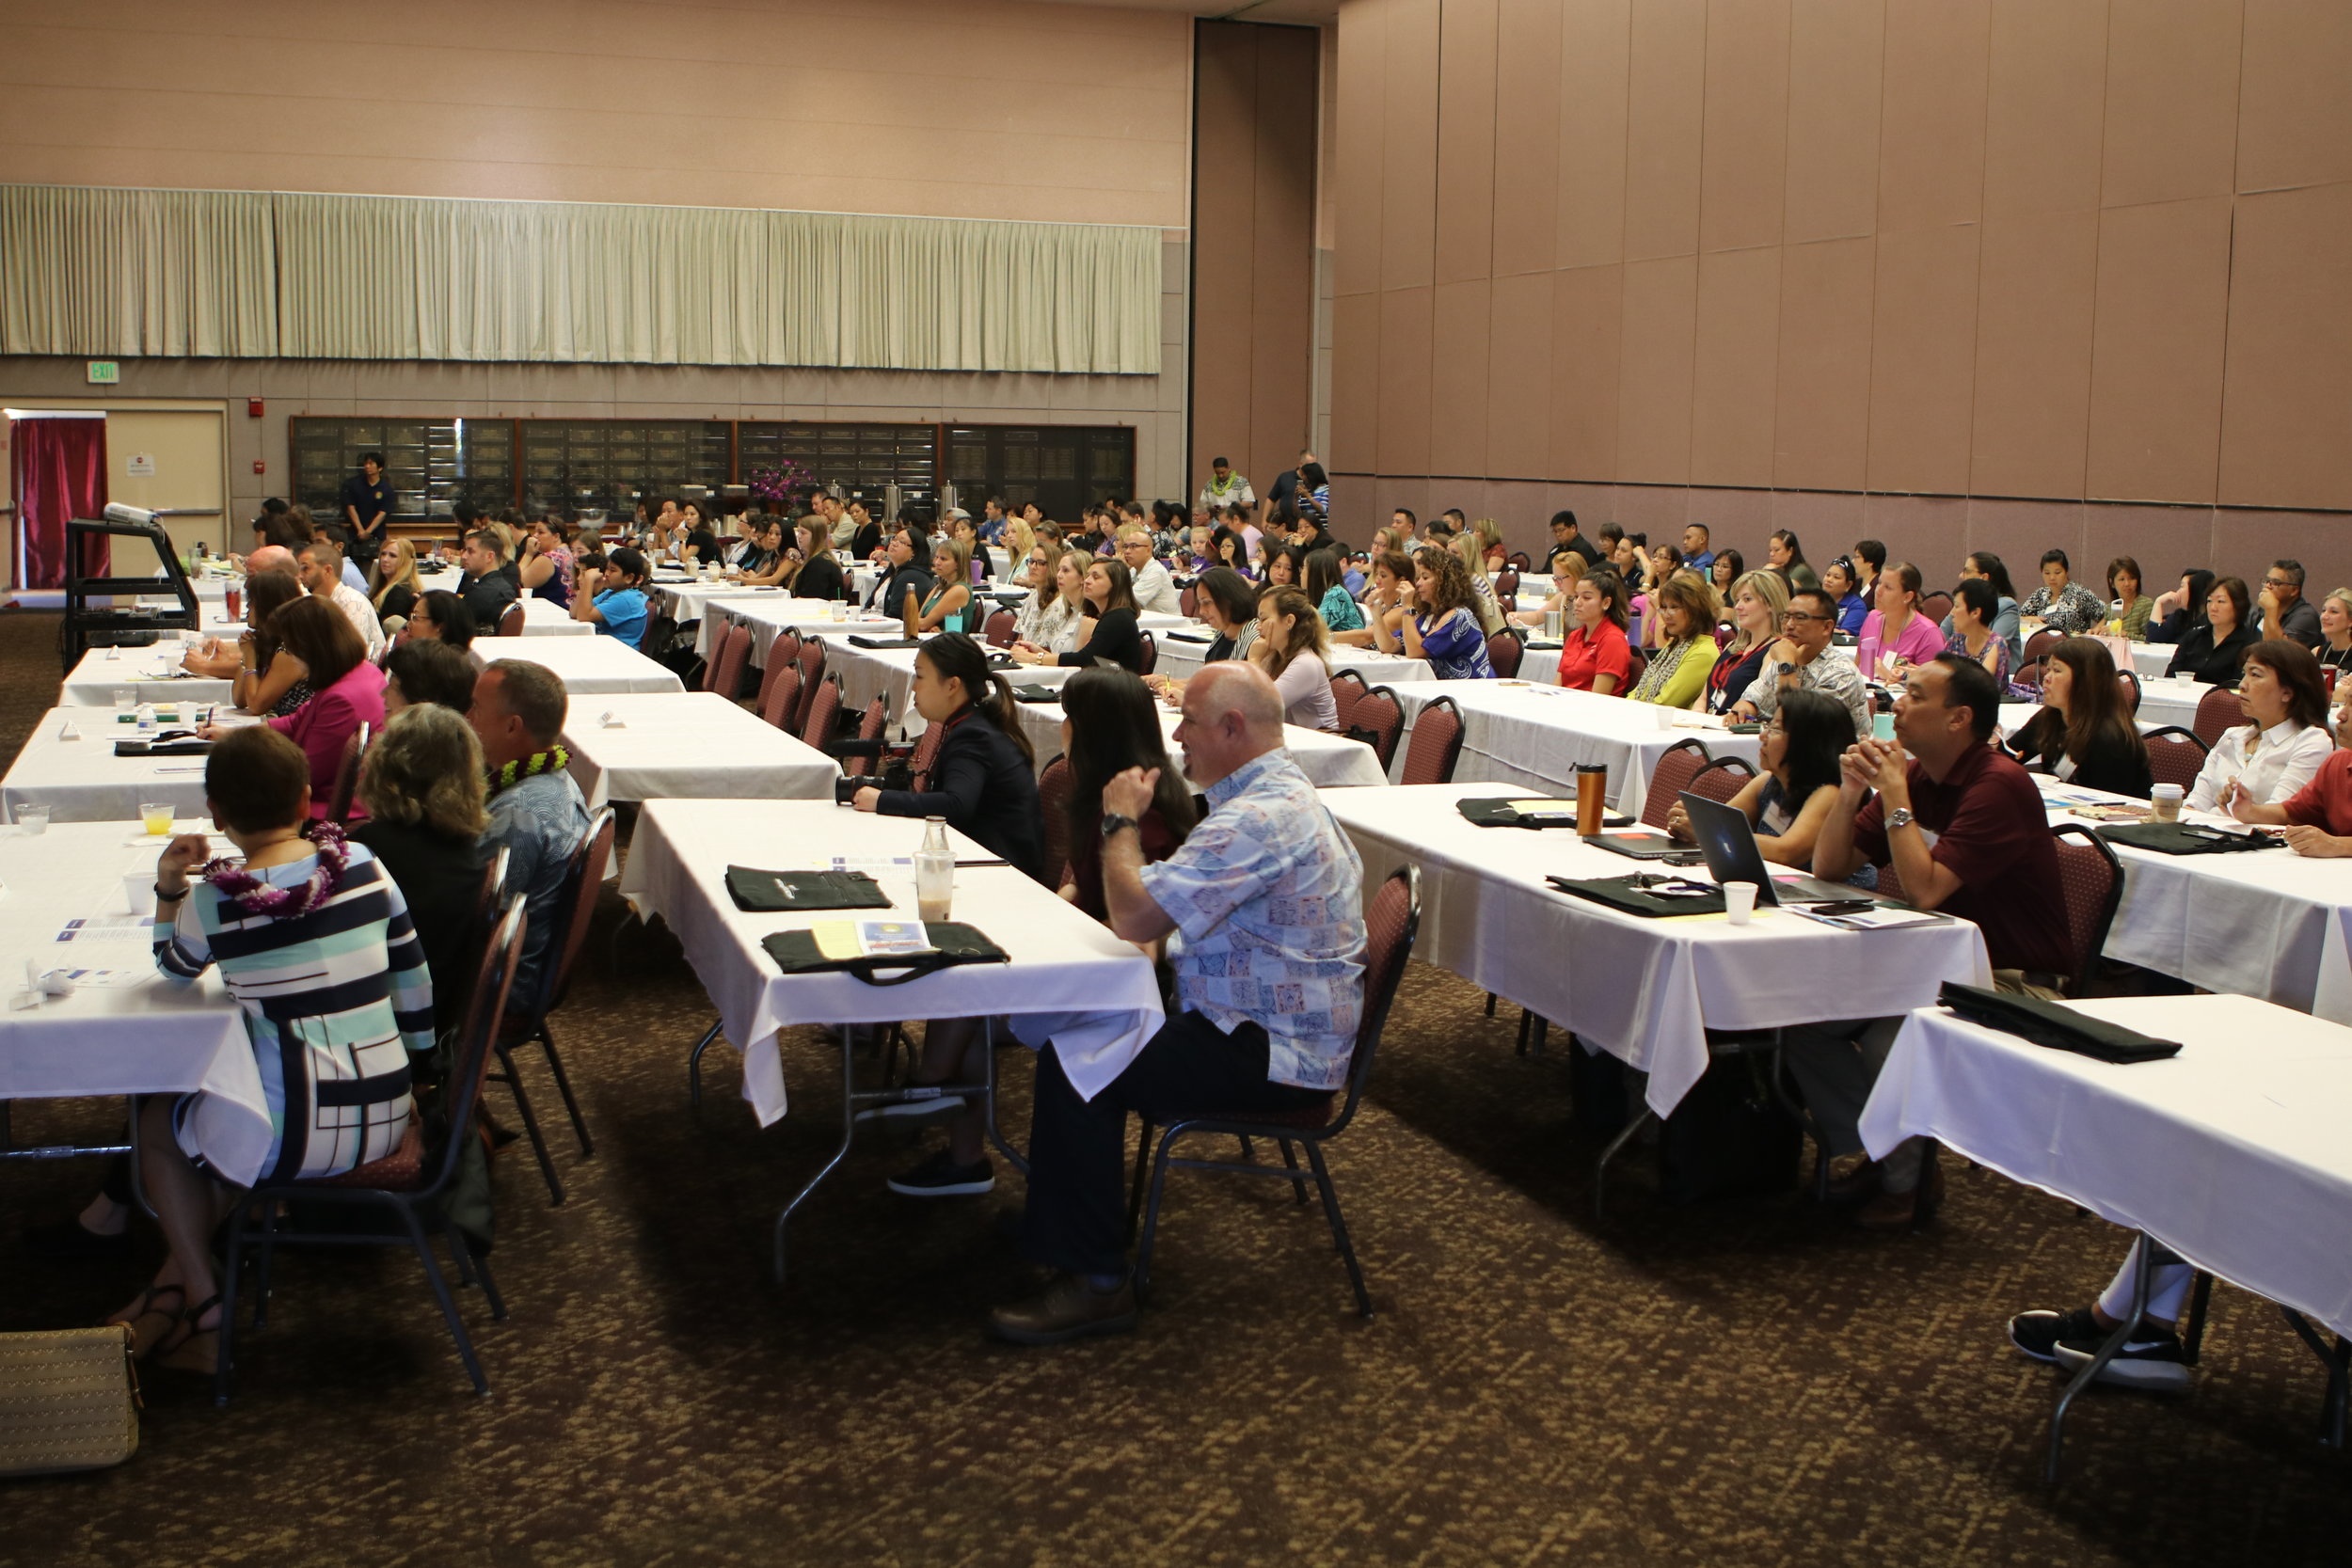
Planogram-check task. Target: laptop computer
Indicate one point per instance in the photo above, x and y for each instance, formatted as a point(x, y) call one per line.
point(1728, 840)
point(1645, 844)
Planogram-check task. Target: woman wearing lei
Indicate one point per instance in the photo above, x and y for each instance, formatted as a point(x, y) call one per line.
point(314, 942)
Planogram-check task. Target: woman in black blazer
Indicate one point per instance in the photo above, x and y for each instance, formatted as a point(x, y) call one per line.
point(983, 779)
point(2216, 652)
point(1117, 639)
point(2082, 735)
point(819, 578)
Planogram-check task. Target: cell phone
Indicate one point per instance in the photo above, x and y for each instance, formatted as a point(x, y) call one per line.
point(1839, 905)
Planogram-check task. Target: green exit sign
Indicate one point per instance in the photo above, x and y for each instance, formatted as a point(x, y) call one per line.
point(104, 372)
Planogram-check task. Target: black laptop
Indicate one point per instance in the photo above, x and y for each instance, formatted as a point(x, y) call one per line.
point(1728, 841)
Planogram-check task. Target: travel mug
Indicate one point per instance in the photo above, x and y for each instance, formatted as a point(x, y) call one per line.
point(1592, 796)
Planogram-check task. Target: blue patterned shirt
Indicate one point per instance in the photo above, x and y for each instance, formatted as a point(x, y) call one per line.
point(542, 820)
point(1267, 898)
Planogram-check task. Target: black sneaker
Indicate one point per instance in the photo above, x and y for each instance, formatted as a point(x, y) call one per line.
point(2150, 1360)
point(2038, 1332)
point(941, 1177)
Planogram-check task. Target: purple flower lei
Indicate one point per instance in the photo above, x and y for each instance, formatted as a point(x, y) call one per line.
point(253, 896)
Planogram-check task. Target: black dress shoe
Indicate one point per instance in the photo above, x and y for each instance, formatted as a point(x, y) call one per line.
point(69, 1240)
point(1070, 1310)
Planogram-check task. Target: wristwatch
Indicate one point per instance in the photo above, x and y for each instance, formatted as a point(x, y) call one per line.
point(1783, 668)
point(1113, 822)
point(1900, 817)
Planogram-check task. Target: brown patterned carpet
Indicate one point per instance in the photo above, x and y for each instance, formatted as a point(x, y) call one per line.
point(1741, 1382)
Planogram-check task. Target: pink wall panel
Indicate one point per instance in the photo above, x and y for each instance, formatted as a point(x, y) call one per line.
point(1737, 364)
point(2037, 281)
point(1821, 422)
point(1526, 135)
point(1465, 141)
point(1923, 341)
point(2044, 110)
point(1518, 376)
point(1595, 43)
point(2295, 125)
point(2286, 426)
point(2171, 100)
point(1836, 49)
point(2156, 350)
point(1931, 122)
point(1744, 156)
point(1665, 110)
point(1458, 378)
point(1654, 375)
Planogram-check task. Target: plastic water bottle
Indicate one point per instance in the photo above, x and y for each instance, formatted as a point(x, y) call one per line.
point(934, 872)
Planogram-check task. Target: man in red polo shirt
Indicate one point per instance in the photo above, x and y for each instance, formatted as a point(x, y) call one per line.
point(2318, 820)
point(1965, 829)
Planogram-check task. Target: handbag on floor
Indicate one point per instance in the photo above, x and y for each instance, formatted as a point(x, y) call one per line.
point(69, 1400)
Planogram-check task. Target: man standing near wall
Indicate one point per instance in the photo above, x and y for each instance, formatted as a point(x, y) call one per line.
point(1285, 487)
point(1226, 487)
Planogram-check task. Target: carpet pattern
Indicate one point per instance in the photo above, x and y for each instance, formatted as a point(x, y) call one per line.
point(1747, 1382)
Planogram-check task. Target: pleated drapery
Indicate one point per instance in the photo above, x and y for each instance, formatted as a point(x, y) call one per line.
point(380, 277)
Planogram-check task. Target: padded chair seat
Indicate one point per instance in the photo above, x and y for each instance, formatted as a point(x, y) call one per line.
point(401, 1171)
point(1306, 1118)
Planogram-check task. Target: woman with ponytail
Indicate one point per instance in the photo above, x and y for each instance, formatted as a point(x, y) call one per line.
point(983, 779)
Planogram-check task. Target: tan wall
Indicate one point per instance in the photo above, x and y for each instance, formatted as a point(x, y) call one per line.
point(2017, 255)
point(949, 108)
point(1254, 269)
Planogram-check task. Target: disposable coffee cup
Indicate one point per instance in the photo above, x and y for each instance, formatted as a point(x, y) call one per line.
point(1740, 901)
point(139, 893)
point(2165, 803)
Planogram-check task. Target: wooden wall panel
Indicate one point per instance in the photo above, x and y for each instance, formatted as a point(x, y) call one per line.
point(1465, 141)
point(2037, 281)
point(1665, 114)
point(2295, 124)
point(1836, 49)
point(1406, 325)
point(1736, 366)
point(1518, 376)
point(2171, 101)
point(1744, 161)
point(2045, 92)
point(1361, 175)
point(1654, 375)
point(1527, 137)
point(1822, 416)
point(1931, 122)
point(2155, 365)
point(1587, 338)
point(1923, 335)
point(1458, 377)
point(1408, 119)
point(1595, 44)
point(2286, 432)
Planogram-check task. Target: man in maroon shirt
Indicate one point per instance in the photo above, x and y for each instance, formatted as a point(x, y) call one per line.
point(2318, 820)
point(1965, 829)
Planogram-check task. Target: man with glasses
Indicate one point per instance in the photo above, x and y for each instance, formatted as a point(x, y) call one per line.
point(1801, 662)
point(2285, 612)
point(1153, 588)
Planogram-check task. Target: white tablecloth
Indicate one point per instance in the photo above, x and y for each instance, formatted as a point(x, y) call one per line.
point(2151, 660)
point(2174, 702)
point(694, 745)
point(770, 613)
point(1325, 759)
point(2269, 923)
point(546, 618)
point(1097, 991)
point(2232, 1153)
point(1179, 659)
point(686, 601)
point(150, 673)
point(587, 666)
point(152, 1036)
point(889, 673)
point(83, 781)
point(1533, 736)
point(1643, 991)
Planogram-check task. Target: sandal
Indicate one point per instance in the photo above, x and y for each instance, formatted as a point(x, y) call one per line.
point(196, 1349)
point(143, 1345)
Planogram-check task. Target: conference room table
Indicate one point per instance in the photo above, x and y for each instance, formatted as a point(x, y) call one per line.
point(2170, 702)
point(2230, 1153)
point(1644, 990)
point(2269, 923)
point(685, 599)
point(1068, 980)
point(1325, 758)
point(866, 673)
point(69, 765)
point(587, 666)
point(546, 618)
point(1180, 658)
point(125, 1029)
point(1533, 737)
point(768, 615)
point(651, 746)
point(152, 674)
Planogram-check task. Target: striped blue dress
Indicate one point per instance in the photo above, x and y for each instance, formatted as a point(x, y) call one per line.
point(334, 1002)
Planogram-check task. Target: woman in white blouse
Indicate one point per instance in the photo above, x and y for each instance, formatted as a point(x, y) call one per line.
point(1292, 648)
point(2285, 739)
point(1052, 618)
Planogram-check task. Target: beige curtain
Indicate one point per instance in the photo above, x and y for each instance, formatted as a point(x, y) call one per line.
point(145, 274)
point(261, 274)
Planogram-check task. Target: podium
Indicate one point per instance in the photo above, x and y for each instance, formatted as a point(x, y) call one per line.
point(111, 626)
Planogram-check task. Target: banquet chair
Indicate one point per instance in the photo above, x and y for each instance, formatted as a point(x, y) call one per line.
point(857, 760)
point(783, 697)
point(2217, 714)
point(1639, 662)
point(1391, 920)
point(925, 753)
point(1053, 800)
point(347, 776)
point(812, 672)
point(1678, 766)
point(1520, 560)
point(1719, 779)
point(1505, 650)
point(526, 1018)
point(408, 1183)
point(511, 622)
point(1936, 607)
point(784, 652)
point(1150, 660)
point(999, 628)
point(1507, 589)
point(1436, 746)
point(1347, 690)
point(2175, 755)
point(823, 714)
point(654, 642)
point(2091, 883)
point(725, 676)
point(2038, 648)
point(2127, 686)
point(1377, 721)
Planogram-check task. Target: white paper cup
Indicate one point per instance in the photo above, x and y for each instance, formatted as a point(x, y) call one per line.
point(139, 893)
point(1740, 901)
point(34, 819)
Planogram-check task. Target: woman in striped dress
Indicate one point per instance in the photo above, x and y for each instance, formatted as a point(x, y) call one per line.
point(313, 939)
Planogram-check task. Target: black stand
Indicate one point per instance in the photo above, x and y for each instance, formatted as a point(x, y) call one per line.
point(120, 626)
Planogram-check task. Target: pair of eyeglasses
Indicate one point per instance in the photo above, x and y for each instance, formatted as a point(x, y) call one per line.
point(1802, 615)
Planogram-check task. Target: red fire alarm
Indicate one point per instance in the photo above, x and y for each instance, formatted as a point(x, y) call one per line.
point(253, 407)
point(259, 466)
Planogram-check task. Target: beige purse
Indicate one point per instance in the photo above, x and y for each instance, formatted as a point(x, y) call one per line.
point(69, 1400)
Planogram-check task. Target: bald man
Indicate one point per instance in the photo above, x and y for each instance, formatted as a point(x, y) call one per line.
point(219, 660)
point(1263, 906)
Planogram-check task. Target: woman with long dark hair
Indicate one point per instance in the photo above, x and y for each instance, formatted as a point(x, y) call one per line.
point(1294, 651)
point(1792, 797)
point(1438, 623)
point(1783, 555)
point(2284, 738)
point(1109, 724)
point(2082, 735)
point(2213, 652)
point(1115, 636)
point(1326, 587)
point(2181, 610)
point(983, 782)
point(441, 616)
point(270, 679)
